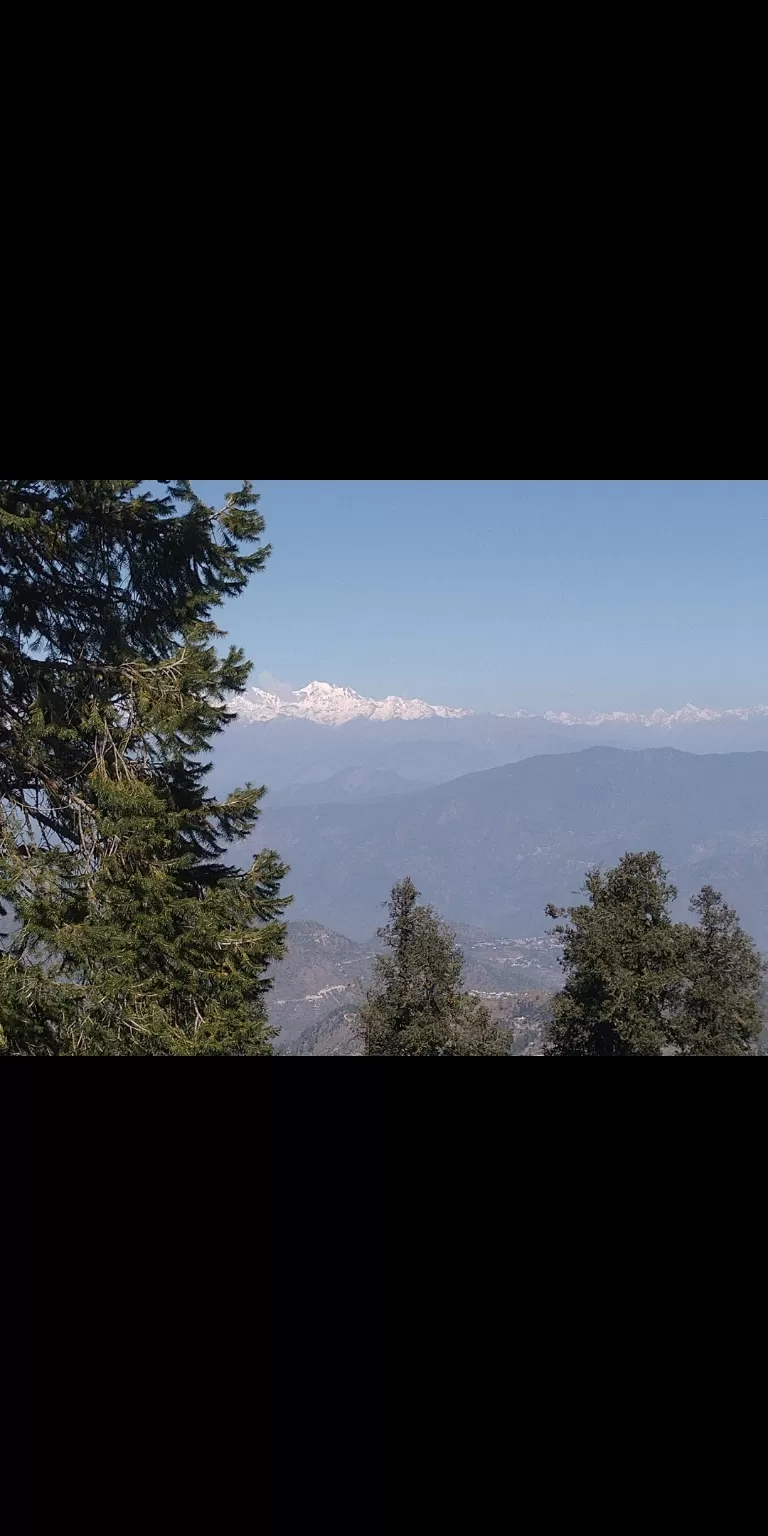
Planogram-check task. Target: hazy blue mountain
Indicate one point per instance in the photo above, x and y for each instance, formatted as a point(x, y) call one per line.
point(492, 848)
point(351, 786)
point(287, 752)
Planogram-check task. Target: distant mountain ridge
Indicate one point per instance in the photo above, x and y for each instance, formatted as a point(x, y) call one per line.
point(349, 786)
point(690, 714)
point(328, 704)
point(335, 731)
point(493, 848)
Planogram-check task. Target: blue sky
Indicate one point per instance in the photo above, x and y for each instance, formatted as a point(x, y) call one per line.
point(502, 594)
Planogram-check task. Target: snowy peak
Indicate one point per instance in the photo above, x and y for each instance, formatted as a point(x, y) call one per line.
point(690, 714)
point(326, 704)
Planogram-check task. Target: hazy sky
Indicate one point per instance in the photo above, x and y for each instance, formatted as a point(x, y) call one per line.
point(501, 594)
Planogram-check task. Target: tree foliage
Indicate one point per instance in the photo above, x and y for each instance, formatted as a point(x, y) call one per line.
point(721, 1004)
point(131, 933)
point(106, 636)
point(638, 984)
point(417, 1006)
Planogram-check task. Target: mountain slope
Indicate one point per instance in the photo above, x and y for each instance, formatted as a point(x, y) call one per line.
point(288, 751)
point(351, 786)
point(493, 848)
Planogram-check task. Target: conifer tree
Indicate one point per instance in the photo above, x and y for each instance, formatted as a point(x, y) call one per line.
point(622, 959)
point(417, 1006)
point(720, 1009)
point(131, 934)
point(638, 984)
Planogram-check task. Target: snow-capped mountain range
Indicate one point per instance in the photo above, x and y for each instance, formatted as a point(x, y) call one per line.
point(326, 704)
point(690, 714)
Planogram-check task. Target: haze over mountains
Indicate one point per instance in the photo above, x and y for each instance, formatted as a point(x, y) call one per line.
point(494, 816)
point(349, 786)
point(322, 731)
point(493, 848)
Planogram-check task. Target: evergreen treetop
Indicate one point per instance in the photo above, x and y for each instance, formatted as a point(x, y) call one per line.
point(417, 1006)
point(638, 984)
point(721, 1003)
